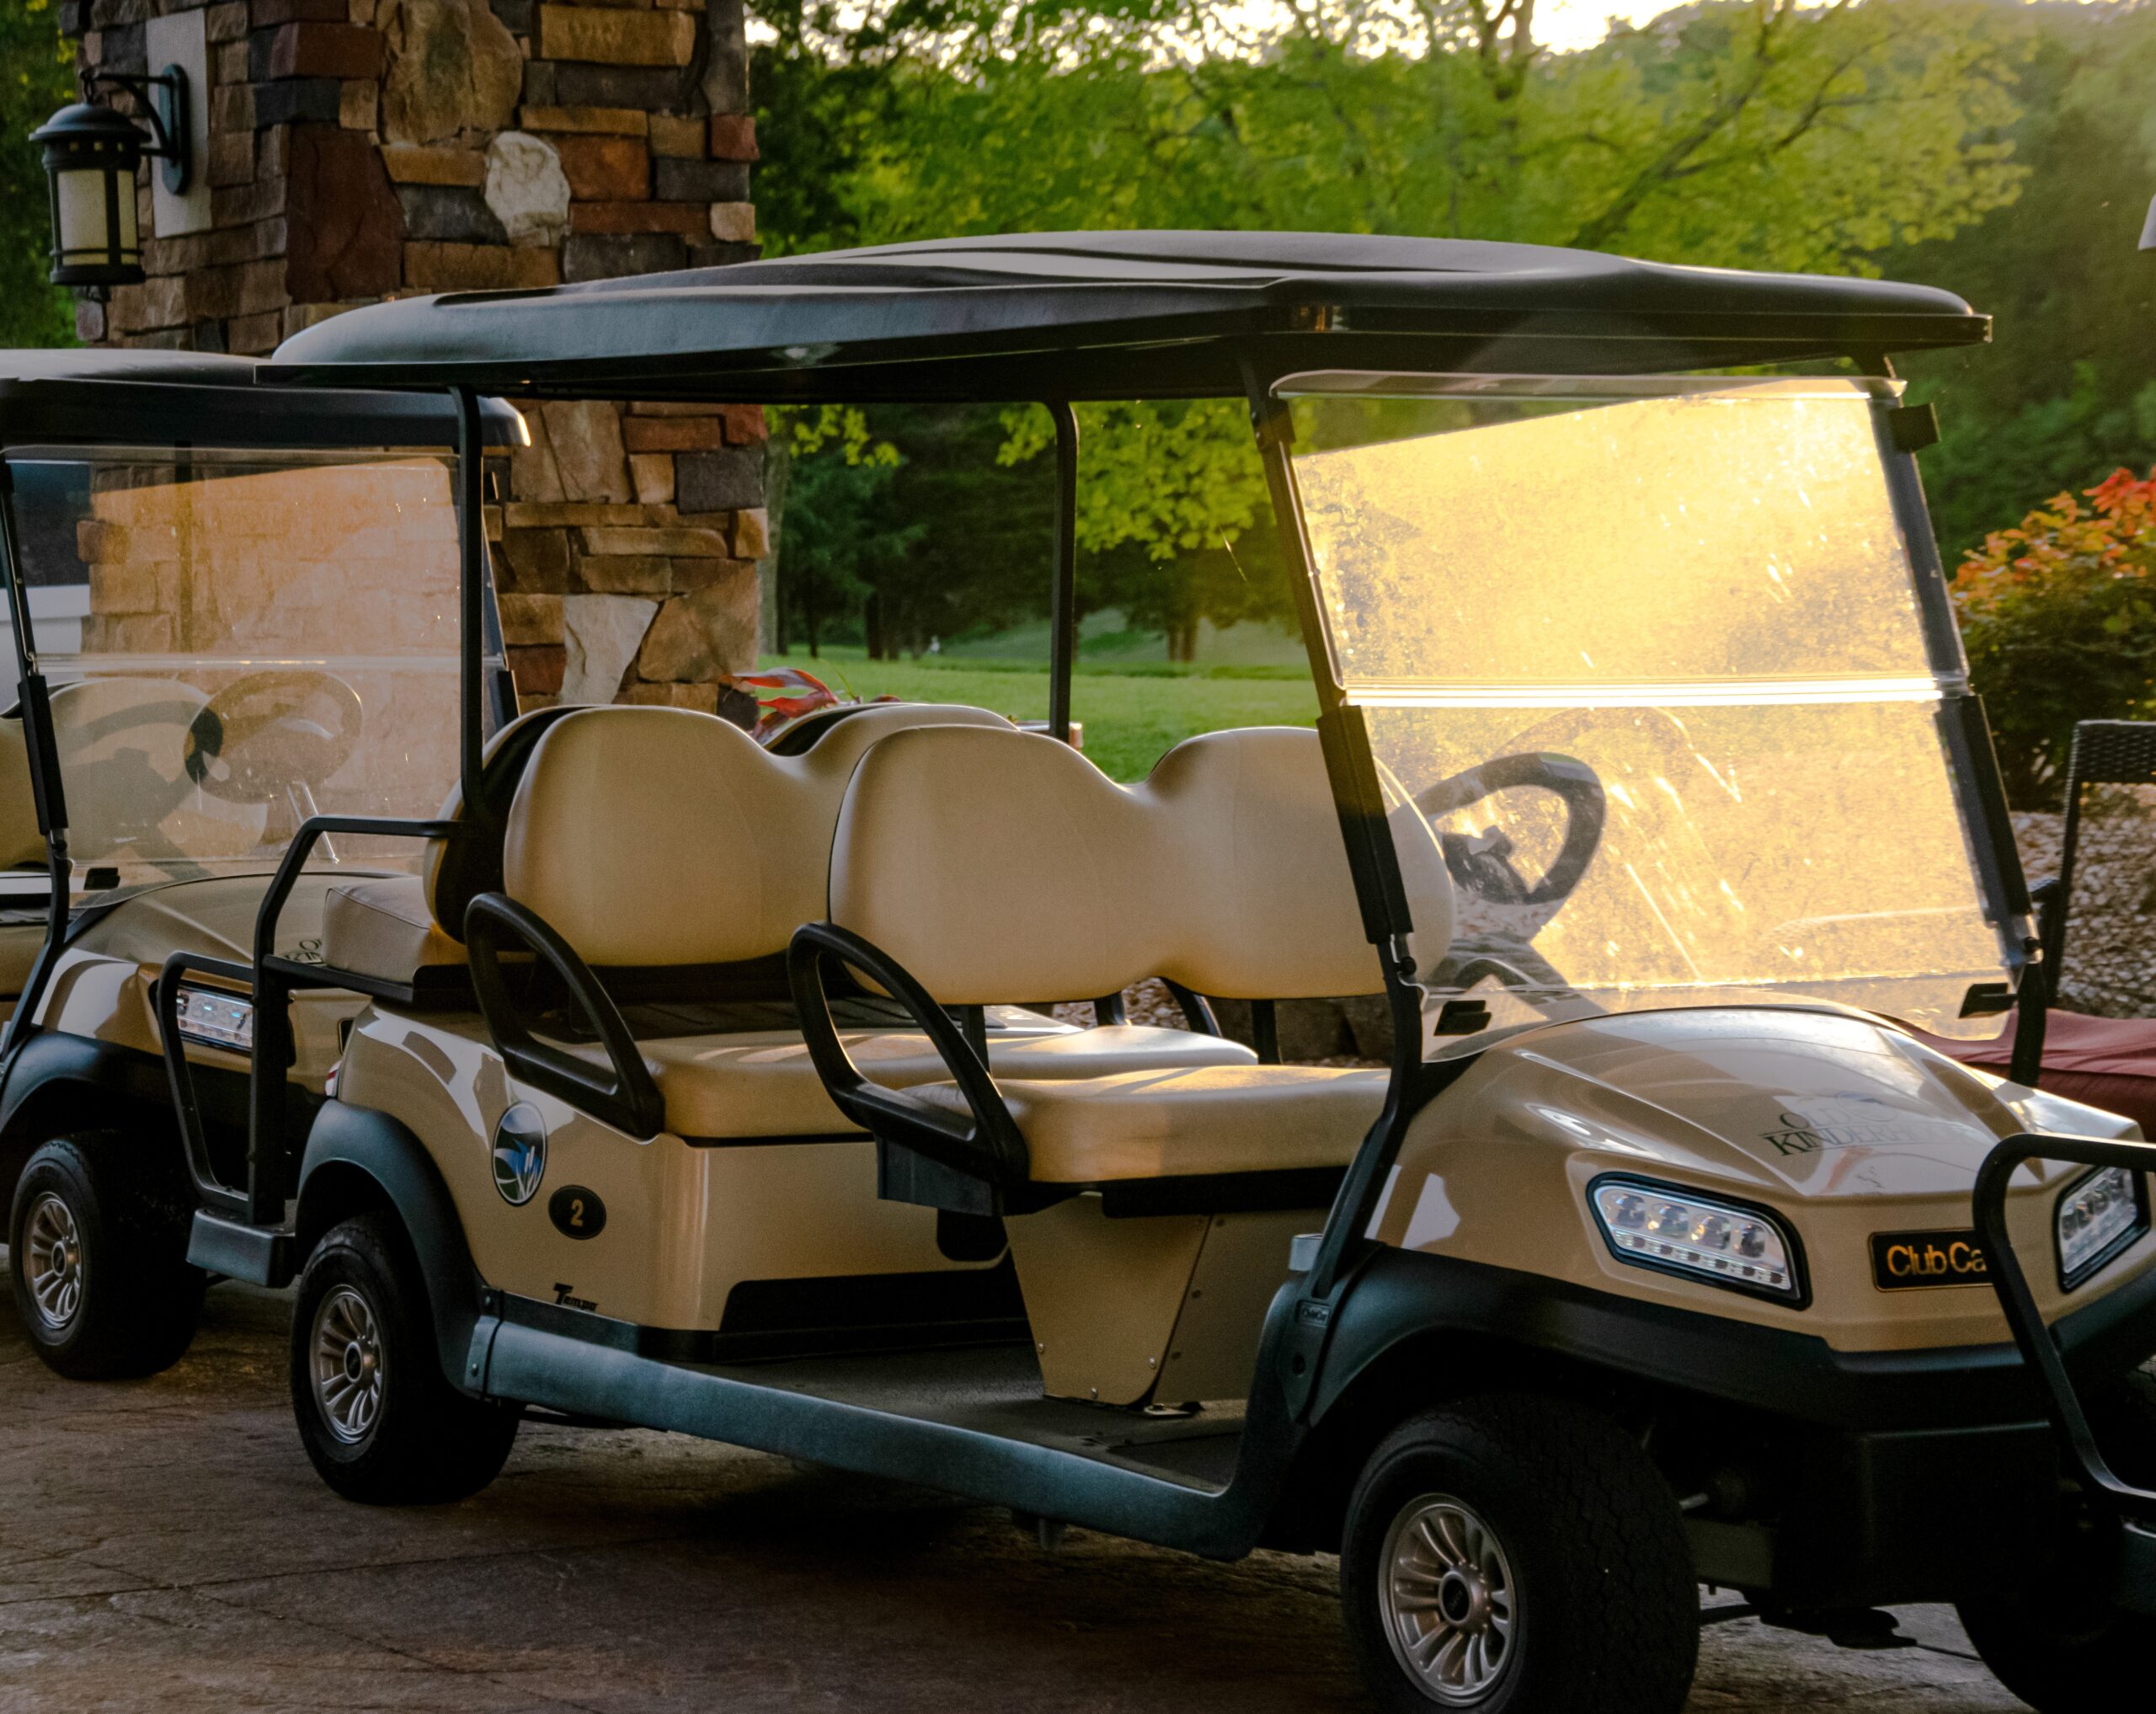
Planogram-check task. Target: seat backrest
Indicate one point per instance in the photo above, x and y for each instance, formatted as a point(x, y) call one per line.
point(20, 841)
point(659, 837)
point(457, 872)
point(1001, 865)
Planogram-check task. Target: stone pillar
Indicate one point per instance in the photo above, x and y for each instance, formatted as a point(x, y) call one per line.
point(359, 149)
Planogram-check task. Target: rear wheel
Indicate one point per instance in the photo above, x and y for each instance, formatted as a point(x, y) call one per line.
point(1515, 1553)
point(380, 1421)
point(97, 1254)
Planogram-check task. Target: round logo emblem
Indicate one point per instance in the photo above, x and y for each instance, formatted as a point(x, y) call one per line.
point(519, 1154)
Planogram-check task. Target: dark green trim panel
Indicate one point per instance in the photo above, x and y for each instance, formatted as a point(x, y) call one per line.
point(52, 1083)
point(1400, 1294)
point(105, 1071)
point(388, 1154)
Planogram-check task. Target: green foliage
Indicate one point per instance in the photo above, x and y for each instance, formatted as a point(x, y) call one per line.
point(36, 78)
point(1132, 716)
point(2063, 394)
point(840, 539)
point(2058, 615)
point(1747, 133)
point(922, 534)
point(1168, 496)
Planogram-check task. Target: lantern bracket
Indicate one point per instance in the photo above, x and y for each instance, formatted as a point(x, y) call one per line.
point(164, 101)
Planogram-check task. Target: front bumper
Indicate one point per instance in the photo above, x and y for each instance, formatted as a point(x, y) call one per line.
point(1400, 1295)
point(1868, 1478)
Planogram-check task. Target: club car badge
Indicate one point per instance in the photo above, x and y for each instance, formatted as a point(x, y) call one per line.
point(519, 1154)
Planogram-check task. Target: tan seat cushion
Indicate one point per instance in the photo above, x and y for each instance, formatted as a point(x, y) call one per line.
point(1001, 865)
point(1181, 1124)
point(659, 836)
point(762, 1083)
point(713, 883)
point(20, 841)
point(383, 927)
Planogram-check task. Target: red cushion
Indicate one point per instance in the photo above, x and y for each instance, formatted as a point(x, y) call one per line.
point(2107, 1062)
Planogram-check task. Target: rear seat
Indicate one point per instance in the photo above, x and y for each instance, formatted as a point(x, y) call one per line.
point(655, 837)
point(988, 864)
point(399, 928)
point(402, 928)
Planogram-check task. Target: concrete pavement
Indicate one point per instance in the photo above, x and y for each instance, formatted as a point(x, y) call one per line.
point(165, 1546)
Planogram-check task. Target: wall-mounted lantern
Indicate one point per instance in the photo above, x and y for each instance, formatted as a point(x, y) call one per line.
point(91, 153)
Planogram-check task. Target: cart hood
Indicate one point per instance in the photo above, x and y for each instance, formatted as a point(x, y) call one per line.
point(1822, 1103)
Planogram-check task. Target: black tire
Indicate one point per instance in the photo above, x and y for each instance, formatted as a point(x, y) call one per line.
point(2124, 1418)
point(413, 1439)
point(2060, 1642)
point(97, 1254)
point(1591, 1568)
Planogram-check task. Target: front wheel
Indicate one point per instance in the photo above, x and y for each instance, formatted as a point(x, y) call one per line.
point(97, 1252)
point(2058, 1639)
point(1514, 1553)
point(380, 1421)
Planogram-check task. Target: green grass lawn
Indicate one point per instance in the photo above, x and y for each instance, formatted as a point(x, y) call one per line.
point(1129, 716)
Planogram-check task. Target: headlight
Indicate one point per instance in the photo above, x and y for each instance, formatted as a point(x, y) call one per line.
point(210, 1017)
point(1675, 1230)
point(2100, 1214)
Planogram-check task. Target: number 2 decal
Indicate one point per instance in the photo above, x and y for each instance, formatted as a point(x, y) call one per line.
point(577, 1212)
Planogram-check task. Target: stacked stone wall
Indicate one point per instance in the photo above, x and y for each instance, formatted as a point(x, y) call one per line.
point(360, 150)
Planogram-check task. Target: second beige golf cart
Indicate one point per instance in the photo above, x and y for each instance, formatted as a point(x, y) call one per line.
point(230, 611)
point(1649, 788)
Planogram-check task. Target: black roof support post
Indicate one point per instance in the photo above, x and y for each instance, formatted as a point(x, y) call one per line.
point(44, 761)
point(1063, 622)
point(471, 540)
point(1374, 865)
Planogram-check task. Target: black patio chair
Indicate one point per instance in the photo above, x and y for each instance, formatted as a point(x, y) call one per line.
point(2116, 979)
point(2107, 851)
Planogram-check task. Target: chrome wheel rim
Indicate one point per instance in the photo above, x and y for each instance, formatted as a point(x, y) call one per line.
point(348, 1365)
point(53, 1261)
point(1449, 1608)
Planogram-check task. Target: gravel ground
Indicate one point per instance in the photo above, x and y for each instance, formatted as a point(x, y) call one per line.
point(2110, 948)
point(164, 1545)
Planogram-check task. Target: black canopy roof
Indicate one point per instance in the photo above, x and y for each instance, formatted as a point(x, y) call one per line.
point(1113, 315)
point(118, 397)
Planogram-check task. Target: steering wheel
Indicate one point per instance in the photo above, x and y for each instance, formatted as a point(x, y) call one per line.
point(1482, 864)
point(268, 732)
point(1499, 911)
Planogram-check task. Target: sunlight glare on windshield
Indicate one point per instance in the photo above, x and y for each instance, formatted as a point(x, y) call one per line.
point(1660, 668)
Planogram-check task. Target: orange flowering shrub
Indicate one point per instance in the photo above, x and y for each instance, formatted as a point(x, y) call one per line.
point(2058, 615)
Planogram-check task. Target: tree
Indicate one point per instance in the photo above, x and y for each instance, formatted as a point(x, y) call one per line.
point(1749, 133)
point(1166, 499)
point(2067, 389)
point(901, 526)
point(36, 77)
point(1754, 133)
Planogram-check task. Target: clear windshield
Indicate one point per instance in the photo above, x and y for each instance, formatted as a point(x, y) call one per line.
point(237, 641)
point(1656, 665)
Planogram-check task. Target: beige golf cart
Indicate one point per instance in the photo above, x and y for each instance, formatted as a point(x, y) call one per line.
point(232, 612)
point(1648, 788)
